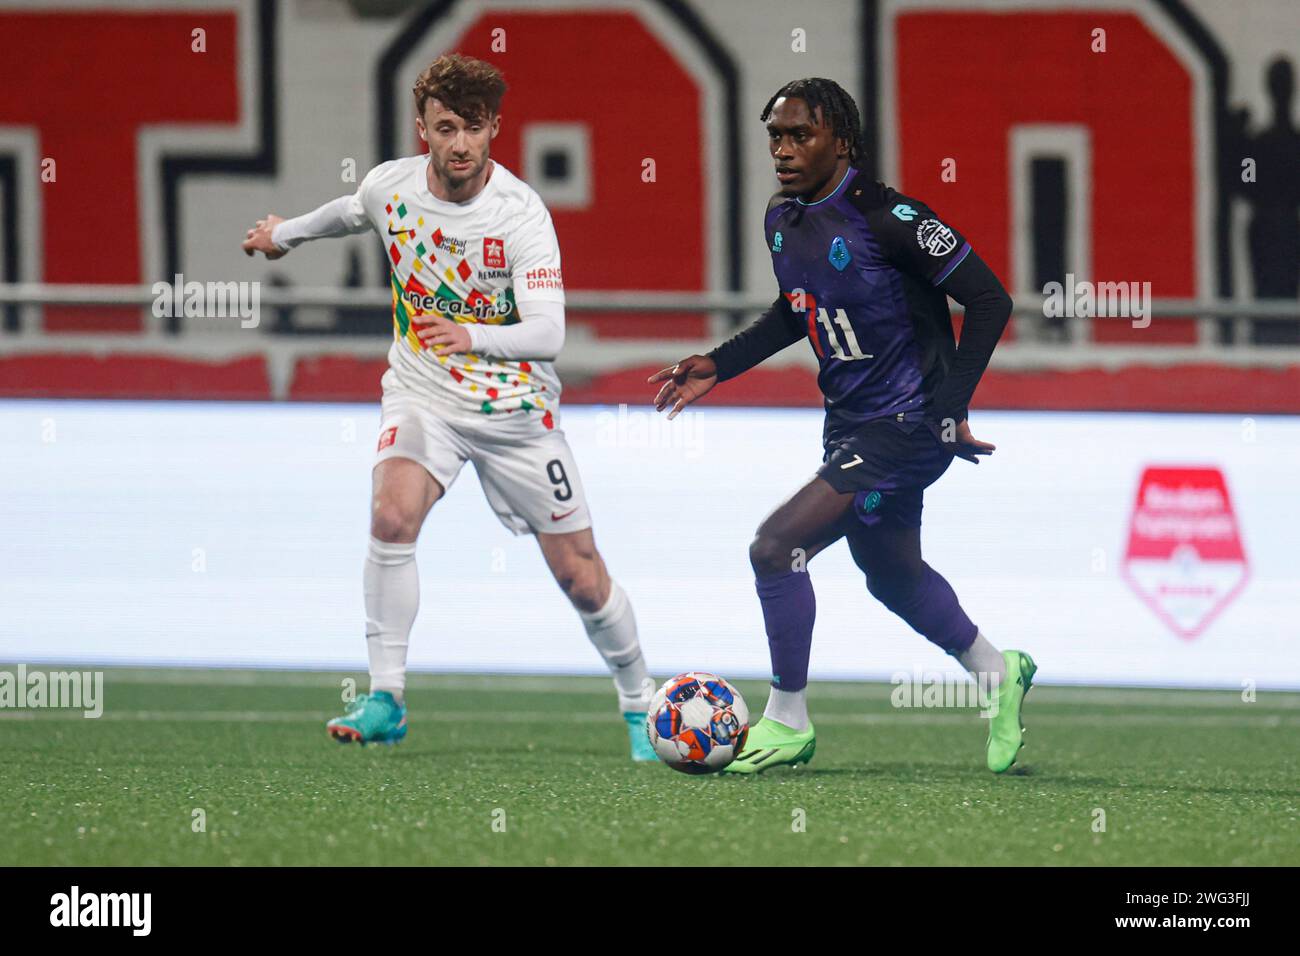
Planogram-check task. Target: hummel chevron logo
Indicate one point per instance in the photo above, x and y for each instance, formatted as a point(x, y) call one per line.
point(857, 460)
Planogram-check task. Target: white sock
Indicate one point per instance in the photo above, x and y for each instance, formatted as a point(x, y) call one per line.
point(789, 707)
point(392, 586)
point(983, 658)
point(613, 630)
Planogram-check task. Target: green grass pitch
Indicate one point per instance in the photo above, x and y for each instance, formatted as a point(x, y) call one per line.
point(533, 770)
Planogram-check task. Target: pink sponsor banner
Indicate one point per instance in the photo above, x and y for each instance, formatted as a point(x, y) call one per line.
point(1185, 556)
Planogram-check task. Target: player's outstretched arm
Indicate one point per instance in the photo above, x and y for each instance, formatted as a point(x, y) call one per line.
point(694, 376)
point(274, 236)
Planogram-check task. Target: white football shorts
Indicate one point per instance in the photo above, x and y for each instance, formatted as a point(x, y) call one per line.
point(527, 471)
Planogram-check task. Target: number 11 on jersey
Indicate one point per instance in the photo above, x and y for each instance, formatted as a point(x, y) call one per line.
point(849, 351)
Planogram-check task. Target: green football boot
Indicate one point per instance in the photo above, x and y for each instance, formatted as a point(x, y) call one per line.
point(772, 744)
point(1006, 732)
point(371, 719)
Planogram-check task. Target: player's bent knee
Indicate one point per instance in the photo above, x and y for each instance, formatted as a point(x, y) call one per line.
point(581, 585)
point(391, 522)
point(768, 555)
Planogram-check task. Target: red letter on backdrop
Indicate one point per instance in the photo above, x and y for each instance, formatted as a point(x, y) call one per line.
point(87, 82)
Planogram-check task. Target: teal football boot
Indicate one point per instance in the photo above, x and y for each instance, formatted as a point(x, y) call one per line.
point(371, 719)
point(637, 736)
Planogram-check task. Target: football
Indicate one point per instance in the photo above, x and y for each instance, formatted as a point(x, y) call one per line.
point(697, 722)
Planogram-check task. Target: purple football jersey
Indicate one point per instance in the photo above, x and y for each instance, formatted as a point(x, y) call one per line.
point(862, 267)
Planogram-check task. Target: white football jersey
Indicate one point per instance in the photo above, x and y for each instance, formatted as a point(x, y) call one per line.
point(470, 262)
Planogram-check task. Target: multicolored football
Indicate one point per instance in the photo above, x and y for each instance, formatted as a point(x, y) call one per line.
point(697, 722)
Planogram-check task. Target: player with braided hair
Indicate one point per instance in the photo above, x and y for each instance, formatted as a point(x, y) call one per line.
point(864, 273)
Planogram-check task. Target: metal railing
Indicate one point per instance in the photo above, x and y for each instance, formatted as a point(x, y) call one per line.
point(1026, 303)
point(585, 355)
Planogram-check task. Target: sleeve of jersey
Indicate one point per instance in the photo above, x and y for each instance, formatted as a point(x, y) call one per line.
point(537, 337)
point(534, 256)
point(921, 244)
point(340, 217)
point(774, 330)
point(988, 308)
point(917, 241)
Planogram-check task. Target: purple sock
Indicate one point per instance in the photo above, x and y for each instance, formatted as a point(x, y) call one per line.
point(789, 608)
point(930, 606)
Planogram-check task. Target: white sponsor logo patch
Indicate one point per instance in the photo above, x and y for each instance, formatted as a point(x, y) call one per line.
point(935, 238)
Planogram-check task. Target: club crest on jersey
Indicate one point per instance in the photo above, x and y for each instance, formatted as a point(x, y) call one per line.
point(935, 238)
point(839, 254)
point(776, 242)
point(494, 253)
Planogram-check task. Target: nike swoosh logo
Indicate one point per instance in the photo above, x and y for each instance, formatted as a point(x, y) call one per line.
point(400, 232)
point(857, 460)
point(555, 517)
